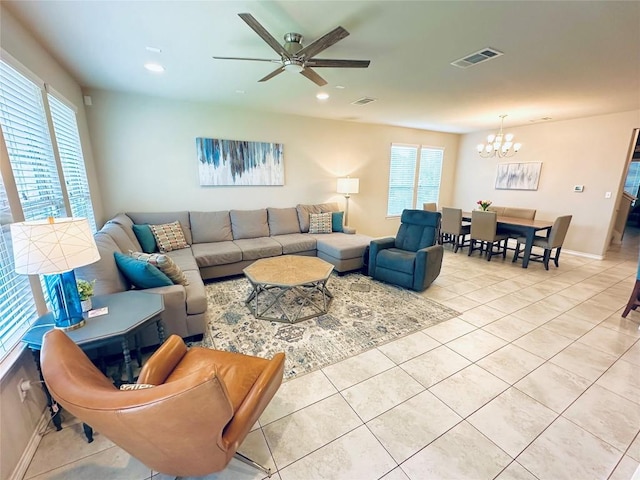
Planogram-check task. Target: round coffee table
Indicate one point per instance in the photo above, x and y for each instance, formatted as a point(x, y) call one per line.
point(289, 288)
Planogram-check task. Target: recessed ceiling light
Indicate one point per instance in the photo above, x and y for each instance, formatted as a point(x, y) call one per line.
point(340, 87)
point(322, 95)
point(153, 49)
point(154, 67)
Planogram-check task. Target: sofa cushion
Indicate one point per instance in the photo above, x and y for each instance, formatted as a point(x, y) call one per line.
point(184, 259)
point(337, 221)
point(141, 274)
point(320, 223)
point(254, 248)
point(218, 253)
point(126, 223)
point(305, 210)
point(164, 263)
point(196, 293)
point(145, 237)
point(283, 221)
point(295, 243)
point(169, 236)
point(119, 235)
point(342, 246)
point(210, 226)
point(108, 278)
point(249, 223)
point(158, 218)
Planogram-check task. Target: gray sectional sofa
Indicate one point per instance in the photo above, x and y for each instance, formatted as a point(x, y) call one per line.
point(220, 244)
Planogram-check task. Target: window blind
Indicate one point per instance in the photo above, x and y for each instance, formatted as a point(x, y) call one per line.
point(402, 171)
point(26, 134)
point(17, 308)
point(73, 168)
point(429, 176)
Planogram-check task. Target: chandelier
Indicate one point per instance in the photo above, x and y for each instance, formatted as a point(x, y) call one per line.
point(500, 144)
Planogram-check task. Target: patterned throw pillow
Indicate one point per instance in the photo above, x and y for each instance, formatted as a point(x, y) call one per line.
point(169, 236)
point(320, 223)
point(135, 386)
point(165, 264)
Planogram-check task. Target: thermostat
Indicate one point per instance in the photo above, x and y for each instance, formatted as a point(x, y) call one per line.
point(578, 188)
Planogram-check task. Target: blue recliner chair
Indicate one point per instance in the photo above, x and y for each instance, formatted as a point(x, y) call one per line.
point(412, 259)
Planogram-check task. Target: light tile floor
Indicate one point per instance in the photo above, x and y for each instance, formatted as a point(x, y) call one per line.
point(537, 378)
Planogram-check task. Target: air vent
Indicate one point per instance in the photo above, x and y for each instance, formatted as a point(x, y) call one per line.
point(364, 101)
point(477, 57)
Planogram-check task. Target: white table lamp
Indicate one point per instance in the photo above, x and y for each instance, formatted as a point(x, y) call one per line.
point(54, 247)
point(347, 186)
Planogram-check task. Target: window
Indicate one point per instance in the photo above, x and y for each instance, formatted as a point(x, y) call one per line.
point(38, 175)
point(73, 169)
point(17, 308)
point(414, 177)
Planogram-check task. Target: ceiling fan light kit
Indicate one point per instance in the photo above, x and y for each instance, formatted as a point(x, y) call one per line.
point(296, 58)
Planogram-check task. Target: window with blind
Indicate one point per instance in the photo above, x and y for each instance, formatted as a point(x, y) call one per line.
point(65, 127)
point(17, 308)
point(26, 134)
point(414, 177)
point(25, 128)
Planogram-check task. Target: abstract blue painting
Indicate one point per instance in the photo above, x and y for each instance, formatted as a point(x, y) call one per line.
point(236, 162)
point(518, 176)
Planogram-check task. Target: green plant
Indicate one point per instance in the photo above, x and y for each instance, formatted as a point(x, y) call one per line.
point(85, 289)
point(484, 204)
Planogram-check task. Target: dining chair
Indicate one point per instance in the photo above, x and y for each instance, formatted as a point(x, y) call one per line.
point(452, 230)
point(554, 240)
point(430, 206)
point(484, 230)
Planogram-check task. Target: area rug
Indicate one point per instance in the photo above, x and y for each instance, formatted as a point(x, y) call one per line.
point(364, 314)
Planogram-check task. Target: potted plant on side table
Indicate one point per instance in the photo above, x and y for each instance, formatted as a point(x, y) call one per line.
point(85, 291)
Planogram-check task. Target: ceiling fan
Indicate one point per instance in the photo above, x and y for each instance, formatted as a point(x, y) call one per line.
point(296, 58)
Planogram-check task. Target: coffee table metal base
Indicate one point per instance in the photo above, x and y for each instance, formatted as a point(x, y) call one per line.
point(289, 304)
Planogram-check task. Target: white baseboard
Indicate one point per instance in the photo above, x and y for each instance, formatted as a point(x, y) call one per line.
point(23, 464)
point(583, 254)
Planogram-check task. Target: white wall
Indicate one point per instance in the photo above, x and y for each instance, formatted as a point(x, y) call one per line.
point(145, 155)
point(588, 151)
point(18, 420)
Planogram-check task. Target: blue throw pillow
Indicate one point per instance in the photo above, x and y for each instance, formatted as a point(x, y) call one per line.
point(140, 273)
point(145, 237)
point(337, 221)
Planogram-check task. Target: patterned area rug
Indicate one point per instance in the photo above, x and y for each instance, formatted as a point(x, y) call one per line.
point(364, 313)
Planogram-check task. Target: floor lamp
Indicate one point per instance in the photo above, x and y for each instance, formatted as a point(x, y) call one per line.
point(347, 186)
point(54, 247)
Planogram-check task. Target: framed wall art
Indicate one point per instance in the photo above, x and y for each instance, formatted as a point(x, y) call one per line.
point(236, 162)
point(518, 176)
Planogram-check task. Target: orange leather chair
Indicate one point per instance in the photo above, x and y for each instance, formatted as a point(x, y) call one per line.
point(190, 423)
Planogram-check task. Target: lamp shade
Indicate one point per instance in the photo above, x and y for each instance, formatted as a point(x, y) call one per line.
point(348, 185)
point(52, 246)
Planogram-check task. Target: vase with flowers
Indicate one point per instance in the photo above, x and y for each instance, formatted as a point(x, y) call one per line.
point(85, 292)
point(484, 204)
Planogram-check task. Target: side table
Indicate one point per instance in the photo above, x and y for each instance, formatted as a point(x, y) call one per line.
point(128, 313)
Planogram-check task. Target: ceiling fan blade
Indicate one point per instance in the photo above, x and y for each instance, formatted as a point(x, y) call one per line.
point(313, 76)
point(323, 42)
point(245, 58)
point(277, 71)
point(317, 62)
point(266, 36)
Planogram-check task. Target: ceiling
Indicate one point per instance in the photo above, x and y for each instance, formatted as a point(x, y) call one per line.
point(561, 60)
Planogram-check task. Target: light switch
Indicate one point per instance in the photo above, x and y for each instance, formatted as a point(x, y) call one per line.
point(607, 195)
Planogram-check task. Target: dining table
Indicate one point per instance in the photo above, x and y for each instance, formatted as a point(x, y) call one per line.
point(523, 226)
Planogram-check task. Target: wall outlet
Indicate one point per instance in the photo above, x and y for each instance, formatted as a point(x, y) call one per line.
point(607, 195)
